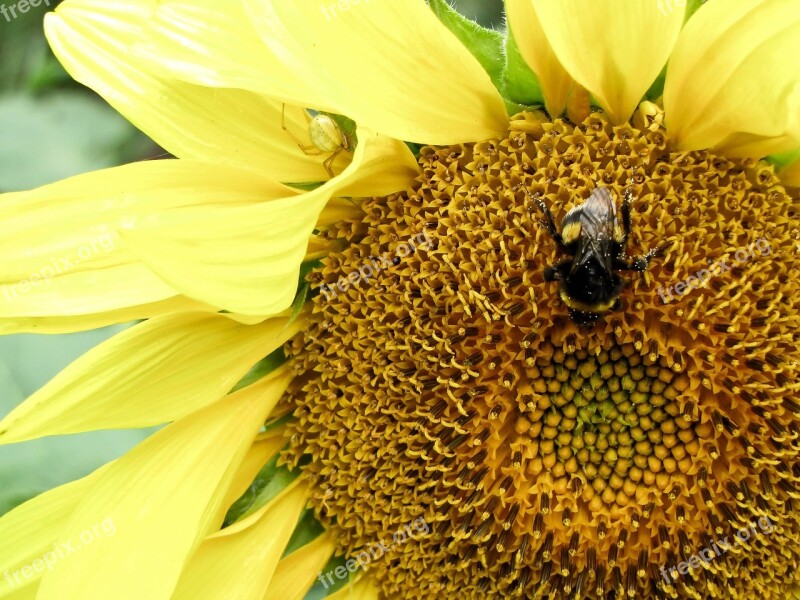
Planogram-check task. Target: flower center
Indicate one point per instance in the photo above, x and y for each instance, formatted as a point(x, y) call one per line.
point(443, 379)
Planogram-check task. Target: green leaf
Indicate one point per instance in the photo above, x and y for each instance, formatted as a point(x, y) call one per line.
point(270, 481)
point(520, 83)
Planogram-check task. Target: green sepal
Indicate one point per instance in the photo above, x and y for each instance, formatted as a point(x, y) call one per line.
point(307, 530)
point(415, 148)
point(691, 8)
point(485, 44)
point(511, 78)
point(784, 158)
point(270, 481)
point(304, 291)
point(322, 590)
point(299, 300)
point(263, 367)
point(521, 85)
point(306, 186)
point(277, 422)
point(657, 89)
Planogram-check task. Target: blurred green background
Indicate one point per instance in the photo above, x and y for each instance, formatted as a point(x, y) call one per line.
point(51, 128)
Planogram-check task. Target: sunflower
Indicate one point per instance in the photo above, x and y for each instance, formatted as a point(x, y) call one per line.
point(371, 385)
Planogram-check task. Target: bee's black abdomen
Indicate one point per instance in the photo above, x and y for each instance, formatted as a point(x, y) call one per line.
point(590, 283)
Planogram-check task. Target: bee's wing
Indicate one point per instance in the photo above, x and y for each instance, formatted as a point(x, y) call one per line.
point(597, 217)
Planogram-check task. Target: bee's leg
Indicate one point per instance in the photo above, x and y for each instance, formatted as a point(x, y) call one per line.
point(627, 202)
point(639, 263)
point(548, 222)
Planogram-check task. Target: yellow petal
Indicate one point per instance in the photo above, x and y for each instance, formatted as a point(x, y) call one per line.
point(93, 39)
point(262, 450)
point(790, 174)
point(154, 372)
point(537, 52)
point(614, 51)
point(67, 324)
point(363, 589)
point(247, 259)
point(150, 510)
point(297, 572)
point(319, 246)
point(239, 561)
point(391, 66)
point(212, 44)
point(28, 534)
point(386, 166)
point(29, 592)
point(732, 82)
point(62, 254)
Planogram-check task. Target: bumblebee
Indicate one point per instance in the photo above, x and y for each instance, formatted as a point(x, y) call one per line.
point(595, 235)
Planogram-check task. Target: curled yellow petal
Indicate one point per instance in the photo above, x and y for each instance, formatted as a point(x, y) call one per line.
point(94, 40)
point(247, 259)
point(614, 50)
point(435, 92)
point(732, 82)
point(209, 43)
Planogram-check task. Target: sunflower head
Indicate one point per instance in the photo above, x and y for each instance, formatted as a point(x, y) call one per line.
point(458, 429)
point(548, 457)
